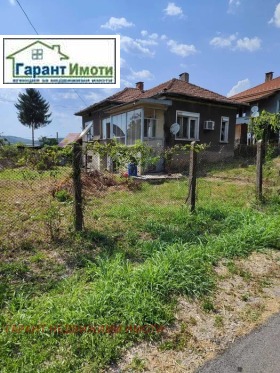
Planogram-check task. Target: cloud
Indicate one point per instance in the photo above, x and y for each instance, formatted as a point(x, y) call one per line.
point(248, 44)
point(276, 17)
point(65, 95)
point(122, 62)
point(140, 75)
point(182, 50)
point(233, 5)
point(12, 2)
point(231, 42)
point(97, 95)
point(173, 10)
point(130, 45)
point(144, 33)
point(241, 85)
point(222, 42)
point(10, 95)
point(146, 42)
point(117, 23)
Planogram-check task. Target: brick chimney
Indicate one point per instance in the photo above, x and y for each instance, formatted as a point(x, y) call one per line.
point(184, 77)
point(268, 76)
point(140, 86)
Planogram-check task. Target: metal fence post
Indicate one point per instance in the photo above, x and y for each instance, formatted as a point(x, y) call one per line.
point(77, 185)
point(192, 177)
point(259, 169)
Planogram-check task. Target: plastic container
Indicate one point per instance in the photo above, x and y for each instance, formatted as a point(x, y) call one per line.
point(132, 169)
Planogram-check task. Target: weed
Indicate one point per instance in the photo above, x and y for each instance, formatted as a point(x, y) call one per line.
point(245, 297)
point(179, 341)
point(192, 321)
point(63, 196)
point(219, 321)
point(137, 365)
point(253, 312)
point(208, 305)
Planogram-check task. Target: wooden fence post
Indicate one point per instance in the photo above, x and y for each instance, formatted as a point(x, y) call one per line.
point(192, 177)
point(77, 184)
point(259, 169)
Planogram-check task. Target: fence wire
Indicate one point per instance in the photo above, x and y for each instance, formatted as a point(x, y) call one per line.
point(38, 192)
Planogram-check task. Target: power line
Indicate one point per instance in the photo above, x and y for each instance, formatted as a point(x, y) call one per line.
point(24, 12)
point(80, 97)
point(27, 17)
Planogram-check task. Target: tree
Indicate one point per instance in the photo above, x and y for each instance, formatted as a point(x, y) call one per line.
point(43, 140)
point(33, 110)
point(263, 125)
point(3, 141)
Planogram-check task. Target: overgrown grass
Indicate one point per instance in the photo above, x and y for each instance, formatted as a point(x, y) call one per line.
point(143, 250)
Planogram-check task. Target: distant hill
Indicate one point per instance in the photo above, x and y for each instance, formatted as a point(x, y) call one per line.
point(22, 140)
point(15, 140)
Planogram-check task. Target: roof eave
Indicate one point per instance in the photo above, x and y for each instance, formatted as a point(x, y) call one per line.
point(141, 101)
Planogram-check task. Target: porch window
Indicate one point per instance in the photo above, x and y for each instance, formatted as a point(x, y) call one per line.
point(224, 129)
point(133, 132)
point(189, 125)
point(118, 127)
point(149, 127)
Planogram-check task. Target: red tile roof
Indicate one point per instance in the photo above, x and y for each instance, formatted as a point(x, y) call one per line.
point(261, 91)
point(173, 87)
point(180, 87)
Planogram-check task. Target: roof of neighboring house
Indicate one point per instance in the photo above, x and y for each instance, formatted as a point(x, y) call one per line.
point(173, 87)
point(261, 91)
point(69, 139)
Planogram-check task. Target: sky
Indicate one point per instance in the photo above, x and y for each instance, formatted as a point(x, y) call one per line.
point(226, 46)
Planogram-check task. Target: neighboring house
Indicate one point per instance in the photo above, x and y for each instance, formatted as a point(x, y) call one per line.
point(147, 115)
point(265, 96)
point(69, 139)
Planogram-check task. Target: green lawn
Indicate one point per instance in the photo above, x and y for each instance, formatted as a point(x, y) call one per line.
point(140, 251)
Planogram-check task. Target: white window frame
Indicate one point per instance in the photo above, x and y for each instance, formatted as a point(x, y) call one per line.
point(104, 123)
point(226, 120)
point(189, 115)
point(89, 135)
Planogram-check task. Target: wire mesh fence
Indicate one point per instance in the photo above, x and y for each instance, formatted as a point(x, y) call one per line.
point(47, 194)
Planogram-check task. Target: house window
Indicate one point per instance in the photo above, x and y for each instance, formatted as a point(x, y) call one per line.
point(149, 127)
point(189, 125)
point(37, 54)
point(224, 129)
point(106, 128)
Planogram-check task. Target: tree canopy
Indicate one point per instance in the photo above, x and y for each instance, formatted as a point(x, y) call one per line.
point(33, 110)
